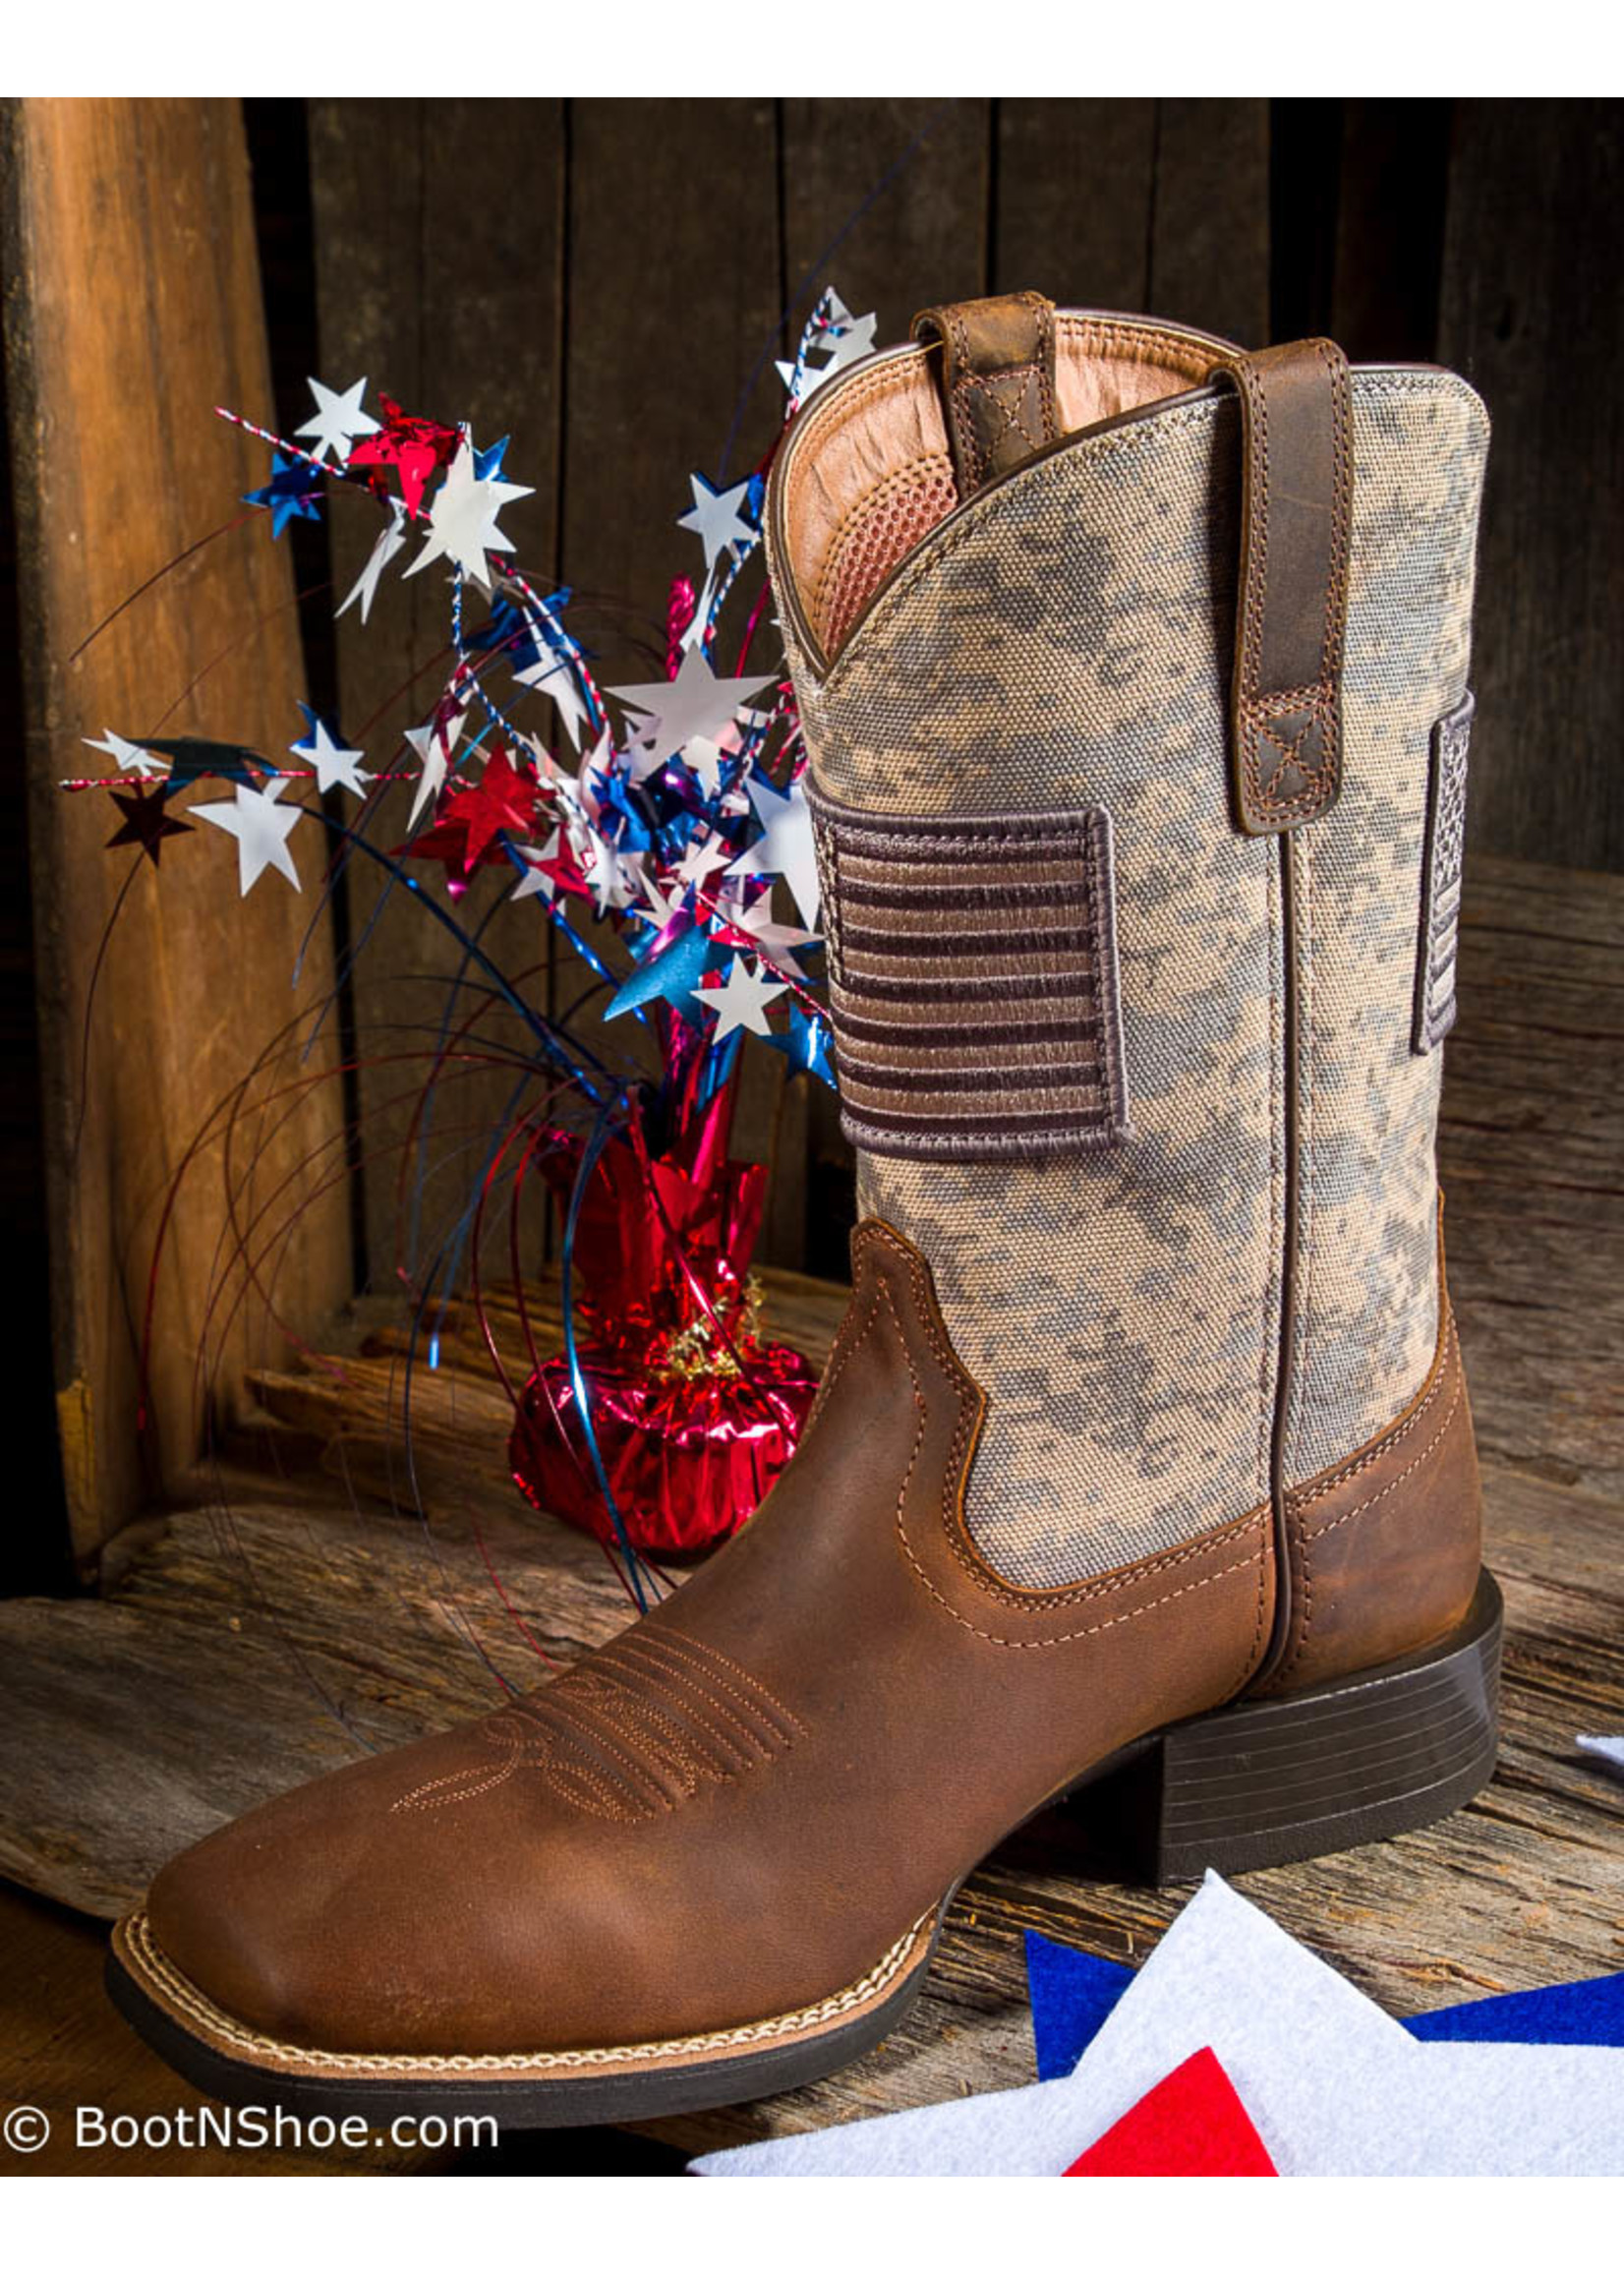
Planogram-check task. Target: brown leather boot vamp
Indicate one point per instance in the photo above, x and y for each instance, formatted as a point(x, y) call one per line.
point(711, 1861)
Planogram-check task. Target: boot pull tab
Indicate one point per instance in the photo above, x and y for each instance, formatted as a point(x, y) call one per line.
point(1297, 520)
point(998, 381)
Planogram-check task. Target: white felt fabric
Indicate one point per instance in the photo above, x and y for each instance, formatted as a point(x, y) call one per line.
point(1334, 2087)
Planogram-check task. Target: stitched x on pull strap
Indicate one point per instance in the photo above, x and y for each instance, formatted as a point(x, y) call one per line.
point(1297, 518)
point(998, 381)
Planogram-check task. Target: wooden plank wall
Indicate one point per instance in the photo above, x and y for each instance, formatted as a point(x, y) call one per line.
point(133, 304)
point(641, 262)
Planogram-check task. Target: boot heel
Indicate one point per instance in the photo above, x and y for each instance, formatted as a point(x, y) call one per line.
point(1274, 1780)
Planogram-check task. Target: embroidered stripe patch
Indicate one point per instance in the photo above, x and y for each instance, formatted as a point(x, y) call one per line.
point(973, 984)
point(1442, 878)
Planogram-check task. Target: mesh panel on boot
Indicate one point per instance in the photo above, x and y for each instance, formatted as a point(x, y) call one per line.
point(1066, 642)
point(884, 530)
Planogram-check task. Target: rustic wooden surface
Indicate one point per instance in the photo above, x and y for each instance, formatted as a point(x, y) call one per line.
point(302, 1608)
point(132, 307)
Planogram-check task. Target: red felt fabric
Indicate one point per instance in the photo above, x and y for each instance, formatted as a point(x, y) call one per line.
point(1193, 2125)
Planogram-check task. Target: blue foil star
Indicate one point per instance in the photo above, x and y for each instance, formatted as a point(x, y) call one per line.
point(673, 975)
point(293, 492)
point(806, 1043)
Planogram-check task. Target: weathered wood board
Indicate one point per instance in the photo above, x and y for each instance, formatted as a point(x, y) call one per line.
point(132, 308)
point(283, 1622)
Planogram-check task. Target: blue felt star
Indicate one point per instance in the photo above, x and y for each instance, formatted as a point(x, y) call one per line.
point(293, 492)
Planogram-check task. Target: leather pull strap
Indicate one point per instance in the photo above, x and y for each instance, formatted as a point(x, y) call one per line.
point(998, 381)
point(1296, 519)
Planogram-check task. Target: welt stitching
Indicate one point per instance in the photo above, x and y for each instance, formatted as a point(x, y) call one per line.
point(190, 2001)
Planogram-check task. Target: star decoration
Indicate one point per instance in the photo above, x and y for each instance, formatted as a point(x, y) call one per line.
point(145, 822)
point(780, 940)
point(672, 976)
point(133, 757)
point(703, 759)
point(715, 519)
point(262, 828)
point(433, 744)
point(415, 449)
point(740, 1001)
point(336, 766)
point(807, 1044)
point(390, 538)
point(503, 798)
point(695, 702)
point(847, 340)
point(339, 420)
point(538, 880)
point(292, 494)
point(784, 848)
point(554, 675)
point(462, 519)
point(467, 834)
point(704, 854)
point(192, 759)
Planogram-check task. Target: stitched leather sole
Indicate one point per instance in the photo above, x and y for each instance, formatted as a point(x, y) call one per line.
point(1277, 1780)
point(1270, 1781)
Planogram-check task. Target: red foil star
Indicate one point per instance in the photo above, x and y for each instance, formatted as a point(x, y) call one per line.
point(470, 819)
point(415, 448)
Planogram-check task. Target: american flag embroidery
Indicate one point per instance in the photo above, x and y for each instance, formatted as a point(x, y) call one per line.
point(1441, 868)
point(973, 985)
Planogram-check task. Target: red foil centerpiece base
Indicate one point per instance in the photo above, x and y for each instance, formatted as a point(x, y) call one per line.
point(687, 1461)
point(692, 1413)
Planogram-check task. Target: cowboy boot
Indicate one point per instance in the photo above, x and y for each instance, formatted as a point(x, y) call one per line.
point(1133, 674)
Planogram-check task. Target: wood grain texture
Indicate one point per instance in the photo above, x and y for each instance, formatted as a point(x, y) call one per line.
point(453, 303)
point(1536, 192)
point(1075, 187)
point(1209, 217)
point(676, 288)
point(280, 1623)
point(132, 308)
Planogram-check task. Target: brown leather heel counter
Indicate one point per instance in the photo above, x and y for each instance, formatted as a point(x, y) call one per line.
point(1385, 1548)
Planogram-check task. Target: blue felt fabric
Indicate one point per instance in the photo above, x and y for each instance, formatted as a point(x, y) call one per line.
point(1570, 2013)
point(1072, 1994)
